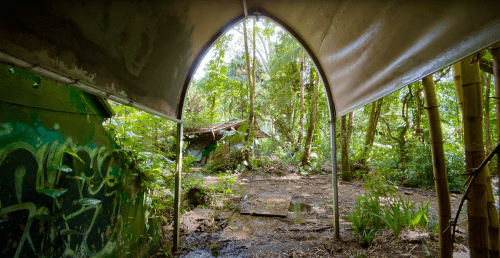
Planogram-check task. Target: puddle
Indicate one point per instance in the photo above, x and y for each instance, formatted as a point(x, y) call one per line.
point(245, 227)
point(299, 207)
point(266, 204)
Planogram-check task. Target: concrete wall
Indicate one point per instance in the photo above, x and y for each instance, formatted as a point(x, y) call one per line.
point(53, 203)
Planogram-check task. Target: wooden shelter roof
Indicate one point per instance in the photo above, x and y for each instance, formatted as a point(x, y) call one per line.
point(228, 126)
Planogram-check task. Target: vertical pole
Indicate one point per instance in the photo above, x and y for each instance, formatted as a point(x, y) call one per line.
point(177, 194)
point(495, 53)
point(334, 179)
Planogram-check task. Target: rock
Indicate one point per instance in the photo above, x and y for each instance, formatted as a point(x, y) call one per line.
point(235, 200)
point(326, 167)
point(455, 191)
point(276, 172)
point(414, 237)
point(191, 221)
point(196, 196)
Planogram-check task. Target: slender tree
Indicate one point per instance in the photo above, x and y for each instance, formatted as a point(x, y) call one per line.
point(301, 110)
point(439, 167)
point(251, 115)
point(312, 121)
point(250, 86)
point(346, 134)
point(376, 108)
point(418, 116)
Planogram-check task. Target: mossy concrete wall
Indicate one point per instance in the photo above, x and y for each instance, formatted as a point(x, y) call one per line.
point(65, 188)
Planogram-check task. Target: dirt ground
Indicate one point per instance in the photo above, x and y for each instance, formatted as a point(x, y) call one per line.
point(304, 226)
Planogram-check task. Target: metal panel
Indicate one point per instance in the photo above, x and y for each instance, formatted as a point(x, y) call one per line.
point(146, 52)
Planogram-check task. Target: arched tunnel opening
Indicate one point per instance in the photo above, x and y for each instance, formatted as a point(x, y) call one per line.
point(246, 164)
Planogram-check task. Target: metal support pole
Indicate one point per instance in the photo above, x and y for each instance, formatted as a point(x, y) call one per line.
point(177, 194)
point(334, 180)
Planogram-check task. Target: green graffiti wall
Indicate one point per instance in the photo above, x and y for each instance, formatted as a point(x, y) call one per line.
point(65, 188)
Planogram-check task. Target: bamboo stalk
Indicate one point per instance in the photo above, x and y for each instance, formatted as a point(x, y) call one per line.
point(477, 207)
point(439, 167)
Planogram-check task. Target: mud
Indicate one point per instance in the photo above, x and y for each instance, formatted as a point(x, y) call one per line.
point(307, 229)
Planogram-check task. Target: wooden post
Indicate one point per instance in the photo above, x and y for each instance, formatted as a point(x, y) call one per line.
point(177, 194)
point(334, 179)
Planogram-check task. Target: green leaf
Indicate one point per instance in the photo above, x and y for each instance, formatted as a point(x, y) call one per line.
point(414, 221)
point(63, 168)
point(65, 232)
point(54, 193)
point(86, 201)
point(83, 178)
point(161, 207)
point(72, 153)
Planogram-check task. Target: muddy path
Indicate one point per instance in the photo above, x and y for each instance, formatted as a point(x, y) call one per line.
point(292, 216)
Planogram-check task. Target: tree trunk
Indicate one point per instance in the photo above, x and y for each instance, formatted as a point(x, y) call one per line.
point(439, 167)
point(457, 79)
point(481, 241)
point(346, 133)
point(372, 128)
point(345, 172)
point(251, 116)
point(250, 86)
point(418, 129)
point(312, 123)
point(301, 121)
point(349, 134)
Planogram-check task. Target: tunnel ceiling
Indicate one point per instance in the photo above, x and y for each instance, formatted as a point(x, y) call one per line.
point(148, 51)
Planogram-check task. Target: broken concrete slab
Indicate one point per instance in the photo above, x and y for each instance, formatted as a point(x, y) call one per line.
point(266, 204)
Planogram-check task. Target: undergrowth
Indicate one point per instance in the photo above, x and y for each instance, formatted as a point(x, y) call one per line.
point(382, 208)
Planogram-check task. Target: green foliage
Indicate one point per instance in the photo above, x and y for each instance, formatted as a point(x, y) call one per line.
point(378, 186)
point(419, 171)
point(397, 212)
point(368, 237)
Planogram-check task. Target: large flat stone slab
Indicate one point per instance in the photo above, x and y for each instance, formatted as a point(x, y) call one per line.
point(243, 227)
point(266, 204)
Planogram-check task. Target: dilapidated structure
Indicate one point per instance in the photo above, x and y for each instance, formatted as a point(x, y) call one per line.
point(201, 140)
